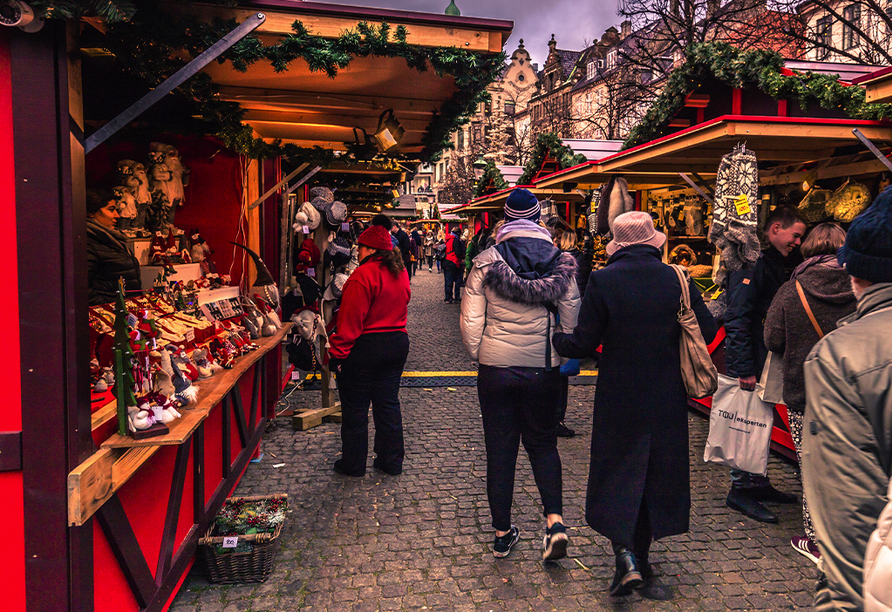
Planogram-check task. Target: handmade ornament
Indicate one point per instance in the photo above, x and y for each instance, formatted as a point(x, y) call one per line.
point(179, 174)
point(264, 285)
point(133, 176)
point(126, 208)
point(204, 361)
point(849, 201)
point(735, 212)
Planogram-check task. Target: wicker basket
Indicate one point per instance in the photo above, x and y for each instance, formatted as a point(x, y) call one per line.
point(253, 565)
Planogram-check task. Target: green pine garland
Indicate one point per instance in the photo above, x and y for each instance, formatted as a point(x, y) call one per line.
point(545, 144)
point(147, 44)
point(741, 69)
point(491, 173)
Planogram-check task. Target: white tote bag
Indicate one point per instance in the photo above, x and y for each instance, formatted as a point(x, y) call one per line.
point(771, 384)
point(739, 428)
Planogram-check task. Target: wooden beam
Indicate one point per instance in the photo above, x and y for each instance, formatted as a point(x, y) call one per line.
point(267, 98)
point(116, 527)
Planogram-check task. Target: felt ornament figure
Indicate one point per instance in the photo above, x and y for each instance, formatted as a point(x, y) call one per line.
point(735, 212)
point(105, 381)
point(198, 247)
point(264, 285)
point(267, 311)
point(179, 174)
point(203, 360)
point(253, 318)
point(133, 175)
point(183, 363)
point(223, 352)
point(139, 418)
point(306, 216)
point(161, 178)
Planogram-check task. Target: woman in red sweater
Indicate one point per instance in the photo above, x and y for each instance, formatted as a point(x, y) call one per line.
point(368, 352)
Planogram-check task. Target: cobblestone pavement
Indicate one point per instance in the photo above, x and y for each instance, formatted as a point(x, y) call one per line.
point(421, 540)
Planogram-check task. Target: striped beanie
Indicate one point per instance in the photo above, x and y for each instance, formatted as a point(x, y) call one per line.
point(522, 204)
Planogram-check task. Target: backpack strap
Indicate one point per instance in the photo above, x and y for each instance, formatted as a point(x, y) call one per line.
point(811, 315)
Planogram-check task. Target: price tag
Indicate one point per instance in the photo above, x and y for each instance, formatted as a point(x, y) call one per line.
point(311, 272)
point(156, 413)
point(742, 204)
point(295, 375)
point(305, 229)
point(190, 335)
point(230, 541)
point(345, 227)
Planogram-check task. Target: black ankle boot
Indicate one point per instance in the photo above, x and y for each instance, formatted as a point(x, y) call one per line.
point(627, 575)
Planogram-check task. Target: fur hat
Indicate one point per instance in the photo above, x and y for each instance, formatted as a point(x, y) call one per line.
point(867, 252)
point(376, 237)
point(631, 228)
point(307, 215)
point(322, 192)
point(522, 204)
point(615, 200)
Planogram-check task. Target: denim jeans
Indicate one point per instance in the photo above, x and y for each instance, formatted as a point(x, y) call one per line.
point(452, 280)
point(371, 374)
point(520, 404)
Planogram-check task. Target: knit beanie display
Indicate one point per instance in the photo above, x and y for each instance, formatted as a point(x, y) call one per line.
point(319, 204)
point(322, 192)
point(735, 215)
point(376, 237)
point(867, 252)
point(307, 215)
point(335, 214)
point(522, 204)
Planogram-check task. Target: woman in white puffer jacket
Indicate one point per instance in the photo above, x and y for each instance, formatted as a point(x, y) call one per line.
point(878, 564)
point(507, 320)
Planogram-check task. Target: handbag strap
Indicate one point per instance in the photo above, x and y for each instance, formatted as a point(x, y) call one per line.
point(685, 289)
point(811, 315)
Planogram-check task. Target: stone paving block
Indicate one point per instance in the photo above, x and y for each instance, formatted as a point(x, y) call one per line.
point(422, 540)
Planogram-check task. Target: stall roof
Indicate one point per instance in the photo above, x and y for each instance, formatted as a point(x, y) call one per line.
point(310, 109)
point(698, 149)
point(845, 72)
point(878, 85)
point(496, 201)
point(510, 173)
point(593, 150)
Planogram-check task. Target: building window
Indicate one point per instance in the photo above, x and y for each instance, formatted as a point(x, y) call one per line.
point(611, 59)
point(509, 107)
point(852, 16)
point(600, 63)
point(460, 140)
point(590, 70)
point(599, 98)
point(520, 78)
point(823, 36)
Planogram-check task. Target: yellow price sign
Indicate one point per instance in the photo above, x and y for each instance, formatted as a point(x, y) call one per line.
point(742, 204)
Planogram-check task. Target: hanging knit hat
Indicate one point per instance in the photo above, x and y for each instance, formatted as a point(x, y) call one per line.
point(867, 252)
point(307, 215)
point(376, 237)
point(522, 204)
point(335, 214)
point(735, 212)
point(307, 256)
point(322, 192)
point(319, 204)
point(335, 288)
point(339, 246)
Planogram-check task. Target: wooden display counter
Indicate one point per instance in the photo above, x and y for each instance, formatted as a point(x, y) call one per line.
point(153, 498)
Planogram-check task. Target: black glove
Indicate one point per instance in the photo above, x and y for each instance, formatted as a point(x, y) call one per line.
point(334, 364)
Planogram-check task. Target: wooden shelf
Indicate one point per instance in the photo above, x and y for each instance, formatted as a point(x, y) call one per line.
point(94, 481)
point(211, 391)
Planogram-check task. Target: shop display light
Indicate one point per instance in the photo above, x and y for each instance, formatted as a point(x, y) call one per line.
point(389, 132)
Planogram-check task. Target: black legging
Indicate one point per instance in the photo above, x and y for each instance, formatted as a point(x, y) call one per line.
point(519, 404)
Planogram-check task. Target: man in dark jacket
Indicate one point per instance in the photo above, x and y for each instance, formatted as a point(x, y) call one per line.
point(847, 438)
point(403, 244)
point(750, 291)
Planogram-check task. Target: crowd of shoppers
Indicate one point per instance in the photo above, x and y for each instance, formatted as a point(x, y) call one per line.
point(530, 305)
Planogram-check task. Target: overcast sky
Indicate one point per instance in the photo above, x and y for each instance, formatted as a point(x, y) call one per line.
point(572, 23)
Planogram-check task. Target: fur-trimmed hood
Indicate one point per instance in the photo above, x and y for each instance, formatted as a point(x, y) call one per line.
point(509, 285)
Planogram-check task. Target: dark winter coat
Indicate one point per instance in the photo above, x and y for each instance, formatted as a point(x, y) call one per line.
point(788, 330)
point(584, 268)
point(639, 451)
point(108, 259)
point(749, 294)
point(403, 244)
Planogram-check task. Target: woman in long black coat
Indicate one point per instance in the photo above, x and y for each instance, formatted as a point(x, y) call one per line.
point(639, 478)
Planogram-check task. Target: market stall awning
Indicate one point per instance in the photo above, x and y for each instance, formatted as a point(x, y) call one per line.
point(878, 85)
point(311, 109)
point(698, 150)
point(496, 201)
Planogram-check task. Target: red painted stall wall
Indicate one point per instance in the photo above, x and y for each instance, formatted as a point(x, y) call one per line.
point(213, 196)
point(12, 549)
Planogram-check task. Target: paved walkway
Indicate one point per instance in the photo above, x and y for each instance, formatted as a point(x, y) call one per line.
point(420, 541)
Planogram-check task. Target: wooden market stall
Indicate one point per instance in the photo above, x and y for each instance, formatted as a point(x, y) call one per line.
point(798, 149)
point(104, 522)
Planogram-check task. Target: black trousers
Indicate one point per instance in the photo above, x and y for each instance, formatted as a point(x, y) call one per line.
point(520, 404)
point(642, 537)
point(452, 280)
point(371, 375)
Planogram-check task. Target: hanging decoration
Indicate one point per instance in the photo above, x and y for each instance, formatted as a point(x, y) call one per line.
point(149, 44)
point(549, 143)
point(741, 69)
